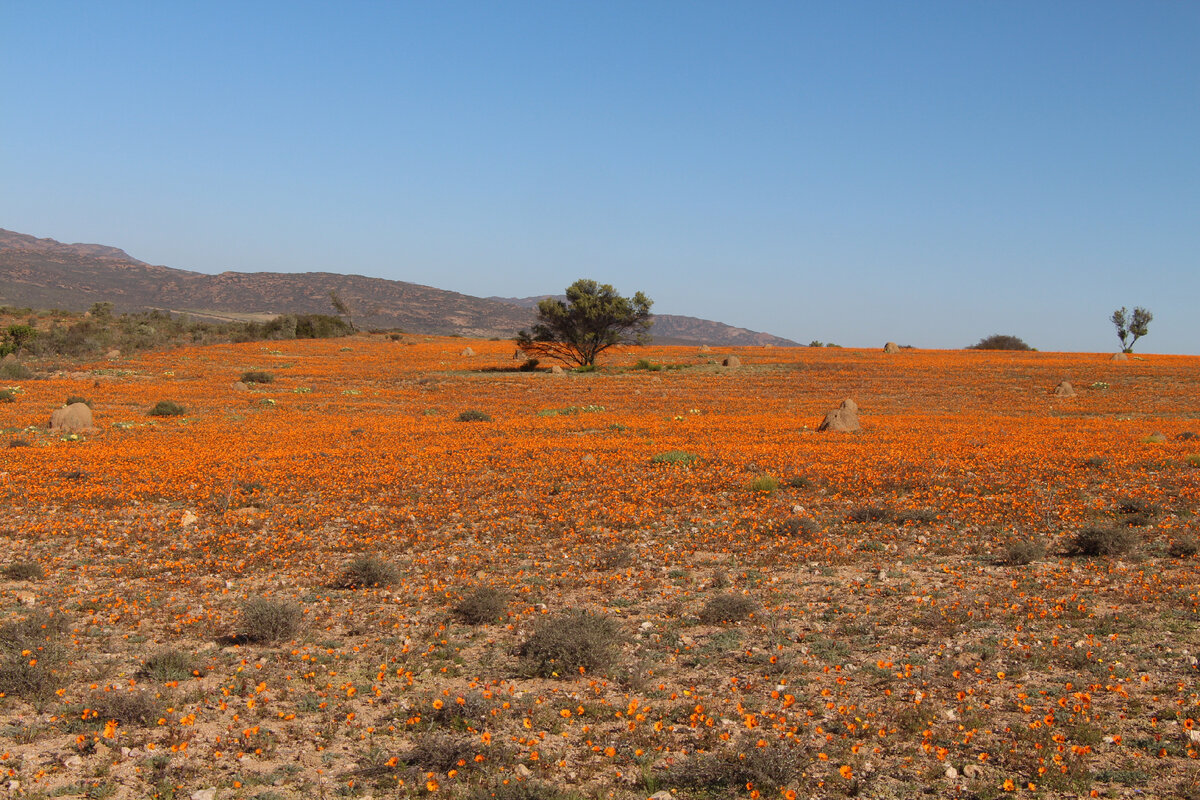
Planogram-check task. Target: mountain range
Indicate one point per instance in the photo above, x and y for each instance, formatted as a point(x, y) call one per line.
point(44, 273)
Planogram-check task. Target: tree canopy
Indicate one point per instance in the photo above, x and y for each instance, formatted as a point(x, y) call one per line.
point(593, 319)
point(1130, 329)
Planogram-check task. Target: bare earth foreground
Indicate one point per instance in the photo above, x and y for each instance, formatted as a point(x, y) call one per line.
point(988, 591)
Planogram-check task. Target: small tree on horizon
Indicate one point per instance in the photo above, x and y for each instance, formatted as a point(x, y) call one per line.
point(1128, 327)
point(342, 307)
point(593, 319)
point(1000, 341)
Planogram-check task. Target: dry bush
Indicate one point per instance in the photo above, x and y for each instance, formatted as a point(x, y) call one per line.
point(871, 514)
point(1022, 553)
point(1098, 541)
point(562, 645)
point(366, 571)
point(727, 608)
point(440, 752)
point(1184, 547)
point(482, 606)
point(615, 558)
point(168, 665)
point(32, 657)
point(795, 526)
point(509, 789)
point(474, 416)
point(167, 408)
point(765, 767)
point(127, 708)
point(24, 571)
point(266, 620)
point(257, 376)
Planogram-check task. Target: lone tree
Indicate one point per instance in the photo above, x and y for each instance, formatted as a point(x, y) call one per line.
point(593, 319)
point(342, 307)
point(1134, 326)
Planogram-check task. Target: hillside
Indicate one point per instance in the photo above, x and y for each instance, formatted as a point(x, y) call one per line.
point(44, 273)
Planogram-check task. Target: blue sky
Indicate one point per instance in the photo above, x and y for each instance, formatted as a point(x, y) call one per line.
point(853, 172)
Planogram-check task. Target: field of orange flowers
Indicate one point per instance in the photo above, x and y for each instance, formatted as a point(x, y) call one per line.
point(883, 614)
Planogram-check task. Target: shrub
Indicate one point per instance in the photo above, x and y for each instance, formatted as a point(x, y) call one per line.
point(735, 768)
point(440, 752)
point(257, 376)
point(727, 608)
point(508, 789)
point(1101, 542)
point(36, 679)
point(872, 514)
point(24, 571)
point(999, 341)
point(567, 644)
point(8, 396)
point(1021, 553)
point(266, 620)
point(528, 365)
point(17, 441)
point(72, 400)
point(615, 558)
point(647, 364)
point(764, 484)
point(481, 606)
point(799, 482)
point(1184, 547)
point(366, 571)
point(15, 371)
point(474, 416)
point(168, 665)
point(795, 526)
point(127, 708)
point(167, 408)
point(675, 457)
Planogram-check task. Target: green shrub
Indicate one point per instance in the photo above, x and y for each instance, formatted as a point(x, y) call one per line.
point(681, 457)
point(1098, 541)
point(474, 416)
point(127, 708)
point(567, 644)
point(647, 364)
point(32, 658)
point(764, 484)
point(481, 606)
point(167, 408)
point(8, 396)
point(257, 376)
point(24, 571)
point(1193, 460)
point(1184, 547)
point(168, 665)
point(14, 371)
point(17, 441)
point(265, 621)
point(727, 608)
point(365, 572)
point(1019, 554)
point(999, 341)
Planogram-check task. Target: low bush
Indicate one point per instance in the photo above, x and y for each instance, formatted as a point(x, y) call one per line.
point(727, 608)
point(32, 659)
point(265, 621)
point(1099, 541)
point(508, 789)
point(72, 400)
point(872, 514)
point(14, 371)
point(125, 707)
point(481, 606)
point(474, 416)
point(257, 376)
point(8, 396)
point(1183, 547)
point(736, 768)
point(167, 408)
point(366, 571)
point(999, 341)
point(1021, 553)
point(168, 665)
point(568, 644)
point(24, 571)
point(764, 484)
point(675, 457)
point(795, 526)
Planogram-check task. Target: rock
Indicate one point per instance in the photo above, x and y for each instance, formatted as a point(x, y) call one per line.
point(972, 771)
point(238, 386)
point(891, 347)
point(467, 352)
point(951, 773)
point(1064, 389)
point(25, 598)
point(72, 761)
point(519, 355)
point(731, 361)
point(844, 418)
point(705, 349)
point(557, 370)
point(663, 795)
point(188, 519)
point(111, 354)
point(75, 418)
point(1119, 357)
point(522, 771)
point(205, 794)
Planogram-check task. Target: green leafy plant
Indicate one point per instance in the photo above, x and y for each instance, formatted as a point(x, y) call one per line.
point(1131, 328)
point(681, 457)
point(167, 408)
point(474, 416)
point(593, 319)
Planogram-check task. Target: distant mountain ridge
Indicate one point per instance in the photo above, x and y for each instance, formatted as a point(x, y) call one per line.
point(44, 273)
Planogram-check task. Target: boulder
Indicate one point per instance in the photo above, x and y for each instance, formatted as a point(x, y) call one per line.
point(1119, 357)
point(1064, 389)
point(239, 386)
point(891, 347)
point(705, 348)
point(731, 361)
point(112, 354)
point(557, 370)
point(468, 351)
point(844, 418)
point(519, 355)
point(75, 418)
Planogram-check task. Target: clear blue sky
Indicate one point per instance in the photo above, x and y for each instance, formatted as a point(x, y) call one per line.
point(924, 172)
